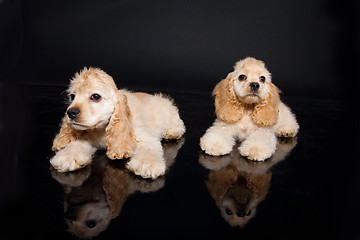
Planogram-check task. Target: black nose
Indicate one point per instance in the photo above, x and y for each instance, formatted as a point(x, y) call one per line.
point(241, 213)
point(73, 113)
point(254, 86)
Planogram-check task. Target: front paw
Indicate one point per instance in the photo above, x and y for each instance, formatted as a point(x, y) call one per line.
point(215, 147)
point(256, 152)
point(64, 161)
point(145, 185)
point(72, 179)
point(286, 132)
point(289, 143)
point(147, 166)
point(118, 154)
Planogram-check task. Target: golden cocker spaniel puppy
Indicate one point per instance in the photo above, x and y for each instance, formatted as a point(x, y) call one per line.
point(96, 194)
point(130, 125)
point(239, 185)
point(248, 108)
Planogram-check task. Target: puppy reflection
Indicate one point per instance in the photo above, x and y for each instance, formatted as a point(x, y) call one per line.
point(96, 194)
point(239, 185)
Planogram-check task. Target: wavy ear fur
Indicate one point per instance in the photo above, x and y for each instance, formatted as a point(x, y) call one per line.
point(64, 137)
point(120, 137)
point(227, 108)
point(116, 187)
point(266, 113)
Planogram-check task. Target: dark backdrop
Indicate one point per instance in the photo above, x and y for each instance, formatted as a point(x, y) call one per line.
point(309, 46)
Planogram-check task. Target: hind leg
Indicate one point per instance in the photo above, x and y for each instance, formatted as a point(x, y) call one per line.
point(287, 126)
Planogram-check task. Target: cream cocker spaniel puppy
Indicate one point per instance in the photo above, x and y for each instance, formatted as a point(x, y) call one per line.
point(130, 125)
point(248, 108)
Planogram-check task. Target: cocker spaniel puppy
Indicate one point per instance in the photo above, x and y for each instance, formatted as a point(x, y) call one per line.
point(248, 108)
point(130, 125)
point(96, 194)
point(239, 185)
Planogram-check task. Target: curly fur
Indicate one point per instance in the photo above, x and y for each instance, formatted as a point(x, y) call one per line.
point(129, 125)
point(119, 132)
point(248, 110)
point(97, 193)
point(238, 185)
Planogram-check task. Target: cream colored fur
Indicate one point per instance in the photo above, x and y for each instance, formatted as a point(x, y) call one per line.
point(130, 125)
point(253, 116)
point(239, 185)
point(97, 193)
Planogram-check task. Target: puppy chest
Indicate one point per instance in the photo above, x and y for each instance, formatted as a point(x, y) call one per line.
point(97, 138)
point(245, 125)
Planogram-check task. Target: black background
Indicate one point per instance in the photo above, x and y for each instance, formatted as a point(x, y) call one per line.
point(186, 47)
point(309, 46)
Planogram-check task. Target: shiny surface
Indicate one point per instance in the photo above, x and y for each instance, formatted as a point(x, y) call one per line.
point(307, 190)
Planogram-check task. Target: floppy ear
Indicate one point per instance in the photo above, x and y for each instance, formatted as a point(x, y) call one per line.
point(259, 184)
point(120, 138)
point(266, 113)
point(116, 188)
point(219, 182)
point(64, 137)
point(227, 107)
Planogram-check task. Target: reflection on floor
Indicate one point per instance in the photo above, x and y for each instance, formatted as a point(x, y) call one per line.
point(238, 185)
point(96, 194)
point(303, 190)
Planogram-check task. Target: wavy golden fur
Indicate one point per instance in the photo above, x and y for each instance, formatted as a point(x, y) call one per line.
point(248, 108)
point(228, 108)
point(127, 124)
point(238, 185)
point(119, 132)
point(97, 193)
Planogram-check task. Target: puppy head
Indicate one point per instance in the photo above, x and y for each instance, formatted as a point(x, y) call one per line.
point(92, 94)
point(248, 85)
point(251, 80)
point(234, 196)
point(89, 219)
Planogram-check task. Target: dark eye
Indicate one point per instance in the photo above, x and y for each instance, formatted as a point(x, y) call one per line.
point(228, 211)
point(95, 97)
point(242, 77)
point(262, 79)
point(72, 96)
point(90, 223)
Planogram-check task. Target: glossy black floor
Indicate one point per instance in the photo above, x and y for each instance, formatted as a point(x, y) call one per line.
point(306, 191)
